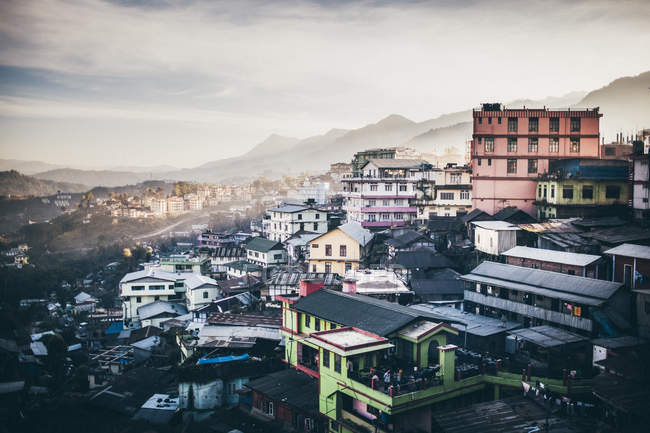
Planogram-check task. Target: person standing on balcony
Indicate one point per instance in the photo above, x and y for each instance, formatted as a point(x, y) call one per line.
point(387, 379)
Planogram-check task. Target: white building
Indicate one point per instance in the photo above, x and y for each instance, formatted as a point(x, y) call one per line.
point(494, 237)
point(265, 252)
point(175, 205)
point(381, 196)
point(158, 206)
point(282, 222)
point(313, 191)
point(200, 290)
point(448, 192)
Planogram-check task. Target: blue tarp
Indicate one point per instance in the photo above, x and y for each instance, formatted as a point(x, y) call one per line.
point(223, 359)
point(115, 328)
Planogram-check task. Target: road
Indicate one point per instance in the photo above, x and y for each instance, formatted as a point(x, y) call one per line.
point(168, 228)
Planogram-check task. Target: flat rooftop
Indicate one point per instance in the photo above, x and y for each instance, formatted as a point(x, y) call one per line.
point(349, 341)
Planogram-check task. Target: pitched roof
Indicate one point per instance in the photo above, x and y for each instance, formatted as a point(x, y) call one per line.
point(242, 265)
point(263, 245)
point(160, 307)
point(514, 214)
point(445, 224)
point(149, 273)
point(407, 238)
point(355, 231)
point(142, 333)
point(553, 256)
point(546, 283)
point(495, 225)
point(359, 311)
point(290, 386)
point(476, 215)
point(421, 259)
point(630, 250)
point(548, 336)
point(444, 282)
point(193, 281)
point(289, 208)
point(475, 323)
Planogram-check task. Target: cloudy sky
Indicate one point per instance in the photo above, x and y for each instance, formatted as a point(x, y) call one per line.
point(108, 83)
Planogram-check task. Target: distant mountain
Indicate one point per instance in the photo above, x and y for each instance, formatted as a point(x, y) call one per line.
point(625, 104)
point(14, 183)
point(273, 144)
point(26, 167)
point(94, 177)
point(144, 169)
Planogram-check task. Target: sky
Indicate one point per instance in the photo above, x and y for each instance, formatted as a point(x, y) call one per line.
point(97, 83)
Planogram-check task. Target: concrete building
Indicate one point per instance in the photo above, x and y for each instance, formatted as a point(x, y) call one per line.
point(314, 191)
point(535, 297)
point(447, 192)
point(265, 252)
point(511, 147)
point(282, 222)
point(340, 250)
point(380, 197)
point(361, 158)
point(494, 237)
point(175, 205)
point(640, 176)
point(583, 188)
point(181, 263)
point(585, 265)
point(159, 206)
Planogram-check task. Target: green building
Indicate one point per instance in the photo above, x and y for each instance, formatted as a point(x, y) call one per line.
point(349, 341)
point(185, 263)
point(583, 188)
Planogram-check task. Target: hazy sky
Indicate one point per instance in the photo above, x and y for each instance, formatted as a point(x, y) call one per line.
point(184, 82)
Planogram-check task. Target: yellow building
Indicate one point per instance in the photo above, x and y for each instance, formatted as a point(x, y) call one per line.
point(340, 249)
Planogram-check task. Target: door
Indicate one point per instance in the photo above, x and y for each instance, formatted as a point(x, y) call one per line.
point(627, 276)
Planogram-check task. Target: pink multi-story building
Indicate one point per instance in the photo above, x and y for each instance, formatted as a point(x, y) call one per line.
point(512, 147)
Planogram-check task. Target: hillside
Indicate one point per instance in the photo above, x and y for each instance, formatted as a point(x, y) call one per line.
point(13, 183)
point(95, 177)
point(625, 104)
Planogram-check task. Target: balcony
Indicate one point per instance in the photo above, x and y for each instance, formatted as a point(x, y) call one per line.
point(386, 223)
point(357, 423)
point(389, 209)
point(530, 311)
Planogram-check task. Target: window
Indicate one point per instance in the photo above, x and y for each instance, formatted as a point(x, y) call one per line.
point(539, 191)
point(479, 161)
point(567, 192)
point(612, 191)
point(326, 358)
point(402, 187)
point(348, 267)
point(480, 140)
point(328, 250)
point(446, 195)
point(138, 288)
point(315, 226)
point(489, 161)
point(372, 217)
point(571, 272)
point(610, 150)
point(317, 216)
point(277, 256)
point(512, 144)
point(328, 268)
point(299, 216)
point(587, 192)
point(489, 121)
point(302, 226)
point(575, 144)
point(373, 187)
point(267, 407)
point(337, 363)
point(512, 166)
point(532, 166)
point(314, 245)
point(533, 124)
point(307, 321)
point(464, 195)
point(533, 144)
point(313, 268)
point(575, 124)
point(386, 203)
point(343, 250)
point(480, 120)
point(499, 120)
point(489, 144)
point(205, 295)
point(388, 187)
point(138, 299)
point(512, 124)
point(316, 324)
point(545, 190)
point(385, 216)
point(553, 144)
point(554, 124)
point(399, 216)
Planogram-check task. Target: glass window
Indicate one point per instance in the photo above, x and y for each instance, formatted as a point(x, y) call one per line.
point(533, 124)
point(138, 288)
point(575, 124)
point(554, 124)
point(479, 161)
point(343, 250)
point(532, 166)
point(552, 191)
point(388, 187)
point(612, 191)
point(337, 363)
point(587, 192)
point(402, 187)
point(567, 192)
point(317, 324)
point(326, 358)
point(489, 144)
point(575, 144)
point(373, 187)
point(446, 195)
point(512, 144)
point(489, 161)
point(553, 144)
point(307, 320)
point(205, 295)
point(512, 166)
point(512, 124)
point(328, 250)
point(533, 143)
point(489, 121)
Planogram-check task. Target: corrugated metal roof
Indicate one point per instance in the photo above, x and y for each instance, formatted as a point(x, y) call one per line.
point(547, 336)
point(356, 232)
point(495, 225)
point(160, 307)
point(630, 250)
point(292, 279)
point(552, 256)
point(508, 275)
point(396, 163)
point(288, 208)
point(552, 226)
point(193, 281)
point(263, 245)
point(476, 324)
point(149, 273)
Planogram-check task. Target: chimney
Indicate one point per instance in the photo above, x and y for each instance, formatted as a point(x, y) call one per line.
point(350, 285)
point(309, 286)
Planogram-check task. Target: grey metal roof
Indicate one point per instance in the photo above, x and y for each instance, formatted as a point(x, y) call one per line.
point(495, 225)
point(160, 307)
point(630, 250)
point(619, 342)
point(476, 324)
point(292, 278)
point(363, 312)
point(289, 208)
point(290, 386)
point(553, 256)
point(591, 291)
point(444, 282)
point(193, 281)
point(420, 259)
point(396, 163)
point(356, 232)
point(263, 245)
point(149, 273)
point(547, 336)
